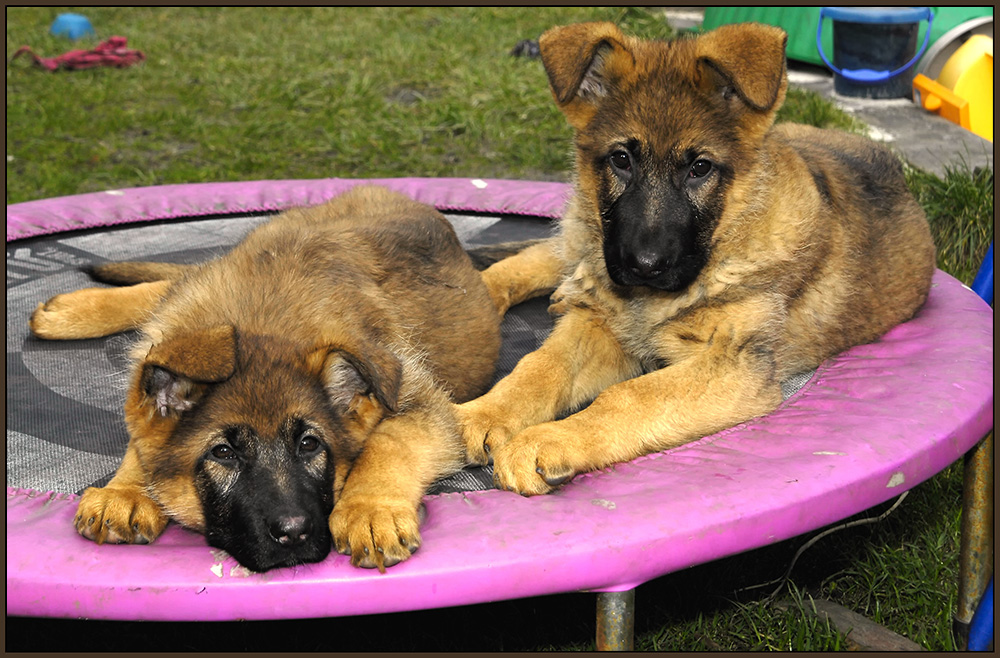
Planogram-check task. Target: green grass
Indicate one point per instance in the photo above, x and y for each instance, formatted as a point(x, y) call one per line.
point(804, 106)
point(960, 210)
point(248, 93)
point(254, 93)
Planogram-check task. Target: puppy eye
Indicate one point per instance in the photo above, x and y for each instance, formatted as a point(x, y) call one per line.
point(700, 168)
point(308, 444)
point(621, 160)
point(223, 452)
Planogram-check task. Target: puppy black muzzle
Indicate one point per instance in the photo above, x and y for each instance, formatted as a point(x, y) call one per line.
point(657, 255)
point(266, 526)
point(650, 237)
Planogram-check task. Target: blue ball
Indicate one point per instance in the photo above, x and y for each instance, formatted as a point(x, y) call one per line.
point(73, 26)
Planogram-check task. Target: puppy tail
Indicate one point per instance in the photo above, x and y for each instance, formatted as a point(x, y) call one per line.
point(487, 254)
point(132, 272)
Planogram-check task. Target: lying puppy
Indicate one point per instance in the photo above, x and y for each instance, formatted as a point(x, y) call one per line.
point(706, 255)
point(299, 388)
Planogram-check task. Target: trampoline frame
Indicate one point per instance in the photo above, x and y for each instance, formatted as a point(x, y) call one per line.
point(615, 596)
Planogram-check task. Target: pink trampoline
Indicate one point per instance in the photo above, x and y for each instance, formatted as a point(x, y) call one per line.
point(866, 426)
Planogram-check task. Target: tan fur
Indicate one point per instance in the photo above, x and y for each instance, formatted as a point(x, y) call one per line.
point(537, 270)
point(95, 312)
point(812, 244)
point(389, 320)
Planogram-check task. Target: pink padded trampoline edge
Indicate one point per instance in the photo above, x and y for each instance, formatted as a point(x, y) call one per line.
point(143, 204)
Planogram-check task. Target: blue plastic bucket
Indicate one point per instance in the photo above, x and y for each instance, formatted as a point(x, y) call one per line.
point(873, 49)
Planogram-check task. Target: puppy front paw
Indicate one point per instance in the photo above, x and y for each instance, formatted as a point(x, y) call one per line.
point(119, 515)
point(538, 460)
point(484, 428)
point(376, 531)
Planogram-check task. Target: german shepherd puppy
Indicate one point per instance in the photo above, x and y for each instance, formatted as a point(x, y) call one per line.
point(706, 254)
point(297, 388)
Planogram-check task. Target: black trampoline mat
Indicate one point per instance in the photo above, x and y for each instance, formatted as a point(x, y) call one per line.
point(65, 428)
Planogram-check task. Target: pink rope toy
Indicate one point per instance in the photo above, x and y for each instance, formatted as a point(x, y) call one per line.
point(107, 53)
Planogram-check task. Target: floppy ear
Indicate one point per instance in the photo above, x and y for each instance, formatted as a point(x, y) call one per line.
point(350, 379)
point(747, 59)
point(177, 371)
point(583, 62)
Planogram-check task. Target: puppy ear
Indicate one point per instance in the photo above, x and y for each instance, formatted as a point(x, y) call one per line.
point(584, 62)
point(177, 371)
point(170, 393)
point(747, 59)
point(349, 378)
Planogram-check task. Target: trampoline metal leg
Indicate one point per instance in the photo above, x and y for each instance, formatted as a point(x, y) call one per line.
point(975, 558)
point(615, 620)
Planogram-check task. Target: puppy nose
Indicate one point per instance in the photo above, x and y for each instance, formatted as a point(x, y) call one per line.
point(646, 264)
point(290, 530)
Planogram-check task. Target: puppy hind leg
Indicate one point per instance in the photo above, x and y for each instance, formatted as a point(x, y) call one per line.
point(533, 272)
point(96, 312)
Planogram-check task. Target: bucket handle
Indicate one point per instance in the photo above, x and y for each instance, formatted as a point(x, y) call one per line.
point(868, 75)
